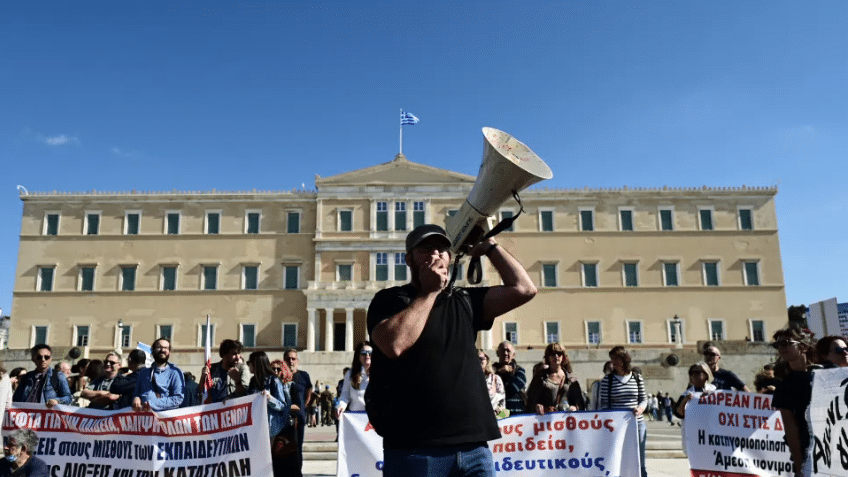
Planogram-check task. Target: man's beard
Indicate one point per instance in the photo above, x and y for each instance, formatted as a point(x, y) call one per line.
point(160, 361)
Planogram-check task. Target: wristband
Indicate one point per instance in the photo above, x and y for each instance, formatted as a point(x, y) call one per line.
point(491, 247)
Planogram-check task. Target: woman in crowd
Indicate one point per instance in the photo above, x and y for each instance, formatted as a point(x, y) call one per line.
point(352, 396)
point(624, 389)
point(797, 350)
point(699, 383)
point(497, 393)
point(832, 351)
point(80, 382)
point(554, 388)
point(279, 402)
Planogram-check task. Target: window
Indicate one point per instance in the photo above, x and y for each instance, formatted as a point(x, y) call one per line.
point(45, 279)
point(452, 212)
point(344, 272)
point(630, 274)
point(716, 330)
point(132, 222)
point(511, 332)
point(172, 223)
point(248, 335)
point(593, 332)
point(289, 335)
point(92, 223)
point(51, 224)
point(590, 274)
point(345, 220)
point(400, 215)
point(546, 220)
point(746, 219)
point(292, 273)
point(400, 266)
point(213, 223)
point(126, 336)
point(758, 330)
point(549, 274)
point(209, 277)
point(253, 221)
point(673, 331)
point(382, 265)
point(587, 220)
point(165, 331)
point(39, 335)
point(751, 271)
point(201, 331)
point(250, 277)
point(706, 218)
point(508, 214)
point(382, 216)
point(711, 275)
point(670, 274)
point(169, 277)
point(128, 277)
point(293, 222)
point(625, 219)
point(81, 335)
point(551, 332)
point(667, 219)
point(417, 214)
point(86, 278)
point(634, 332)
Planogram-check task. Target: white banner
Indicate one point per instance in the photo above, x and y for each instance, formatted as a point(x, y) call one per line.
point(829, 422)
point(211, 440)
point(733, 434)
point(588, 444)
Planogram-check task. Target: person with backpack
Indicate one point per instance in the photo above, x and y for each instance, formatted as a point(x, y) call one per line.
point(625, 389)
point(44, 384)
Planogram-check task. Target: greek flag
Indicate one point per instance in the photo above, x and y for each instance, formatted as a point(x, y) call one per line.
point(407, 118)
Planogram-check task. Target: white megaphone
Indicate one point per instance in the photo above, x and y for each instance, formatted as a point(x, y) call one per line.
point(508, 167)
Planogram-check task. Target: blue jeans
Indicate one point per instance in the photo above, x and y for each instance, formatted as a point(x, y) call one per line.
point(643, 437)
point(450, 461)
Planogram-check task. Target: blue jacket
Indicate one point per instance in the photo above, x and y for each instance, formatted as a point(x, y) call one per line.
point(163, 390)
point(279, 404)
point(55, 387)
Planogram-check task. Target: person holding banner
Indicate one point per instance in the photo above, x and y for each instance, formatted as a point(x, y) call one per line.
point(97, 392)
point(355, 383)
point(159, 387)
point(624, 389)
point(427, 396)
point(124, 384)
point(554, 388)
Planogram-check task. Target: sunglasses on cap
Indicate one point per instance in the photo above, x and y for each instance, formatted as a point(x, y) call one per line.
point(781, 343)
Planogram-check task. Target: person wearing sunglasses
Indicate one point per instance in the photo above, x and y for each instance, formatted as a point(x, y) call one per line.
point(797, 350)
point(97, 391)
point(723, 379)
point(832, 351)
point(44, 384)
point(355, 383)
point(554, 388)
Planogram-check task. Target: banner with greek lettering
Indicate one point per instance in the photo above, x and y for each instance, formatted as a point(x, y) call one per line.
point(588, 444)
point(829, 422)
point(211, 440)
point(734, 434)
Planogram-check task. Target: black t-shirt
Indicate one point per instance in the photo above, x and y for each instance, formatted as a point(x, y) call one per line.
point(301, 382)
point(34, 467)
point(794, 393)
point(725, 380)
point(435, 393)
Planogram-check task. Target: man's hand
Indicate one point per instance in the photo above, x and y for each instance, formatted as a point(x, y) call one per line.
point(50, 403)
point(234, 373)
point(434, 275)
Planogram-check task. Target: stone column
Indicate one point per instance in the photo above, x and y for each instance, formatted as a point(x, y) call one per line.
point(348, 329)
point(310, 329)
point(328, 331)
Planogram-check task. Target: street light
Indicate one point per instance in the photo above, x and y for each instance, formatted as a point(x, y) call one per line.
point(678, 331)
point(120, 344)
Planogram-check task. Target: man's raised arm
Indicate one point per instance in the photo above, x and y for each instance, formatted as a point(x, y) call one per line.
point(517, 288)
point(399, 332)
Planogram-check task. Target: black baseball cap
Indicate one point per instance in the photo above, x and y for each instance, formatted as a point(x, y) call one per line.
point(423, 232)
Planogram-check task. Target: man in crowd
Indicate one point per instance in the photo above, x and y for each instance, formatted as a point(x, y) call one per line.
point(124, 384)
point(301, 393)
point(722, 379)
point(19, 448)
point(230, 376)
point(513, 376)
point(159, 387)
point(44, 384)
point(427, 396)
point(326, 401)
point(98, 392)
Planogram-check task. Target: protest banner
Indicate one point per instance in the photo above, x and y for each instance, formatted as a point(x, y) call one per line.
point(829, 422)
point(734, 434)
point(203, 441)
point(588, 444)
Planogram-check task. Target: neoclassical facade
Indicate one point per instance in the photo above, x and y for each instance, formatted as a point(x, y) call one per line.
point(641, 267)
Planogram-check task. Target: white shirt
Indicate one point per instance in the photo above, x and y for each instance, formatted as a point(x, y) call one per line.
point(353, 399)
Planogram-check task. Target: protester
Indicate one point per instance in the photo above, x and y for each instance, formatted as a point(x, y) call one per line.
point(79, 382)
point(513, 376)
point(555, 389)
point(98, 391)
point(263, 380)
point(159, 387)
point(15, 376)
point(301, 393)
point(19, 448)
point(44, 384)
point(230, 376)
point(596, 388)
point(427, 397)
point(832, 352)
point(497, 395)
point(352, 396)
point(765, 382)
point(624, 389)
point(723, 379)
point(65, 367)
point(699, 383)
point(797, 349)
point(191, 392)
point(124, 384)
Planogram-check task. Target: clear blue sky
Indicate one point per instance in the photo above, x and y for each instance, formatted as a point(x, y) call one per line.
point(166, 95)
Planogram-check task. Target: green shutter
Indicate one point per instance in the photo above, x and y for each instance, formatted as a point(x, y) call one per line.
point(590, 274)
point(631, 278)
point(93, 224)
point(210, 278)
point(627, 220)
point(47, 279)
point(87, 279)
point(706, 219)
point(53, 224)
point(547, 221)
point(587, 220)
point(291, 278)
point(128, 275)
point(251, 278)
point(670, 274)
point(132, 224)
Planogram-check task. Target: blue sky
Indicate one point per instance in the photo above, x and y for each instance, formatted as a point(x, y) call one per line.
point(166, 95)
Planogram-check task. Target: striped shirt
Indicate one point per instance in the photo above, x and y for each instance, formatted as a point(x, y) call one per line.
point(628, 392)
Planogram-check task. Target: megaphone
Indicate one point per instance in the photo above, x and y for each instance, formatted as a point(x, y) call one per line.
point(508, 167)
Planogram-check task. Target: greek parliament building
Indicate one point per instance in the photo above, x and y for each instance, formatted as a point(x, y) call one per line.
point(298, 269)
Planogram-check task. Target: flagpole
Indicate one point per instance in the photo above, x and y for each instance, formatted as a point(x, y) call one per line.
point(401, 131)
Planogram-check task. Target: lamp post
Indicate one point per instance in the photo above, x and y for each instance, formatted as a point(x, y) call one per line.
point(120, 345)
point(678, 331)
